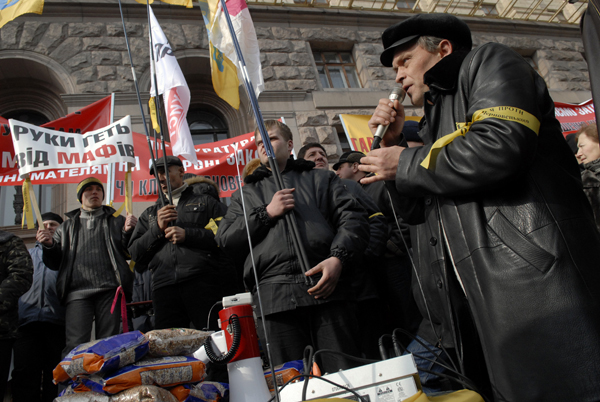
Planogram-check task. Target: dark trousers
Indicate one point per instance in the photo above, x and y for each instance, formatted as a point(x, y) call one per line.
point(5, 357)
point(331, 325)
point(37, 351)
point(175, 306)
point(80, 316)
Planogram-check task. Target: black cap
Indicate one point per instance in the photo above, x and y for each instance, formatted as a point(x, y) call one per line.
point(443, 26)
point(171, 161)
point(51, 216)
point(85, 183)
point(411, 131)
point(351, 157)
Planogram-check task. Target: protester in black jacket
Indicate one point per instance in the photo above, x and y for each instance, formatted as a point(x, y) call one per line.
point(90, 252)
point(333, 228)
point(177, 243)
point(506, 240)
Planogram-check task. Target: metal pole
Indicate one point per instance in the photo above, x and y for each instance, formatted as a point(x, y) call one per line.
point(137, 91)
point(158, 115)
point(289, 218)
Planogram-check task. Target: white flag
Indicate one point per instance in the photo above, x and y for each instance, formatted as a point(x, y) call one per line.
point(176, 93)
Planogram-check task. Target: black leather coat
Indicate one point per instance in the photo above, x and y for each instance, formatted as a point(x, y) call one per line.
point(505, 198)
point(330, 221)
point(197, 255)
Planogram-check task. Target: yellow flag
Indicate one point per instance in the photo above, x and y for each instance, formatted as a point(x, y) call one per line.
point(152, 107)
point(11, 9)
point(224, 72)
point(187, 3)
point(224, 77)
point(144, 1)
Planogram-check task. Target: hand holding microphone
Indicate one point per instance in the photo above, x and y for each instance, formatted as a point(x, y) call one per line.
point(384, 113)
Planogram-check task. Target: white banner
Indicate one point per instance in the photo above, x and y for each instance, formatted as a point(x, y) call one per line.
point(38, 148)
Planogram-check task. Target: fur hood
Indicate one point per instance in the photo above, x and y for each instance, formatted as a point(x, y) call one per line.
point(299, 165)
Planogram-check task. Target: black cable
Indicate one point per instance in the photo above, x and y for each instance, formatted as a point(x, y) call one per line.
point(235, 344)
point(382, 350)
point(209, 313)
point(448, 360)
point(307, 360)
point(414, 268)
point(360, 398)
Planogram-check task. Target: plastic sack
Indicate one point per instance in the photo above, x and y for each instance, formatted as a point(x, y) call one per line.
point(160, 371)
point(175, 341)
point(207, 391)
point(102, 356)
point(83, 397)
point(144, 393)
point(284, 372)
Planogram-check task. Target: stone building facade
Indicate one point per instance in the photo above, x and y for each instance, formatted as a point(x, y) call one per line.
point(75, 53)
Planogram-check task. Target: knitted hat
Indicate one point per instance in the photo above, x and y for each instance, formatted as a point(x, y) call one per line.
point(86, 183)
point(51, 216)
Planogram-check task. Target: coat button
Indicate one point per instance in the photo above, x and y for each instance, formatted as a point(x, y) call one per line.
point(433, 241)
point(439, 284)
point(427, 201)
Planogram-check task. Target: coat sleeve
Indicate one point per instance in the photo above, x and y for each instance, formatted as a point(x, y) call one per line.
point(203, 238)
point(52, 256)
point(497, 139)
point(349, 219)
point(378, 228)
point(19, 269)
point(232, 234)
point(146, 240)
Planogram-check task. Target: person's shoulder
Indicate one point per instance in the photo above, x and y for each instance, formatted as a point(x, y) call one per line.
point(6, 236)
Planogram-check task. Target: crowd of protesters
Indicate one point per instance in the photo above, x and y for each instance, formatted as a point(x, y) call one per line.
point(465, 240)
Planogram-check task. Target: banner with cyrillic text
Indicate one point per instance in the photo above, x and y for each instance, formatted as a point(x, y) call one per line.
point(572, 116)
point(38, 149)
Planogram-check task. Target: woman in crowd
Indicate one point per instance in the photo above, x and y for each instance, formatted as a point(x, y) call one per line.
point(588, 154)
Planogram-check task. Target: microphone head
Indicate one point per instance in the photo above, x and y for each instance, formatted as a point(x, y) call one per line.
point(397, 93)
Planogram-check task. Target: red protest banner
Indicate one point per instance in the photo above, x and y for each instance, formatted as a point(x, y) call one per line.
point(218, 161)
point(90, 118)
point(571, 116)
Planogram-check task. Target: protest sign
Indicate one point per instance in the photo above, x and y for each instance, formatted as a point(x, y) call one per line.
point(37, 148)
point(572, 116)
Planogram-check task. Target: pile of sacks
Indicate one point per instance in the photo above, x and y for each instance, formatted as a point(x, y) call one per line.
point(133, 367)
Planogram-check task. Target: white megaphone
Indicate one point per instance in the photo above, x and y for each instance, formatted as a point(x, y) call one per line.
point(237, 345)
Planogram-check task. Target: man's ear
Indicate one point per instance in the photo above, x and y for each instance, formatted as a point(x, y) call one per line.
point(181, 171)
point(290, 144)
point(445, 48)
point(355, 167)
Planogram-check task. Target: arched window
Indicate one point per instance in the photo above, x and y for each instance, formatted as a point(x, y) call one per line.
point(206, 126)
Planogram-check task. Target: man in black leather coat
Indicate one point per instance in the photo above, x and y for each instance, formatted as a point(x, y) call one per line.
point(333, 228)
point(505, 234)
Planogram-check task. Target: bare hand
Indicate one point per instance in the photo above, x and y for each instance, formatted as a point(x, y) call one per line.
point(130, 222)
point(383, 162)
point(166, 214)
point(44, 237)
point(331, 269)
point(392, 113)
point(175, 234)
point(282, 201)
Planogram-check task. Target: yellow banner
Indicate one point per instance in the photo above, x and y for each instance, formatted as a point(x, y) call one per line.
point(14, 8)
point(186, 3)
point(508, 113)
point(224, 77)
point(358, 132)
point(30, 205)
point(153, 117)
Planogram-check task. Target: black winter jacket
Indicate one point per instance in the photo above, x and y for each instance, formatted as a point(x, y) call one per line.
point(330, 221)
point(170, 263)
point(16, 274)
point(61, 255)
point(503, 194)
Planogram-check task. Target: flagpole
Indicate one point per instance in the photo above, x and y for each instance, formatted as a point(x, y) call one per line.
point(156, 102)
point(137, 91)
point(290, 218)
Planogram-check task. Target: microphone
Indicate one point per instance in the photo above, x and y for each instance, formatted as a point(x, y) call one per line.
point(397, 94)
